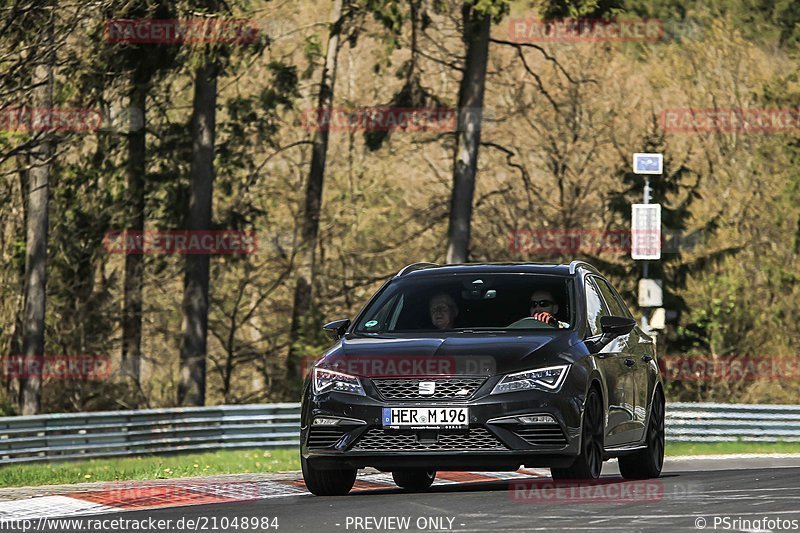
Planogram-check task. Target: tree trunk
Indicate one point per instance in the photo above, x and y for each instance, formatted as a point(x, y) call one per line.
point(134, 263)
point(192, 387)
point(470, 106)
point(37, 232)
point(303, 298)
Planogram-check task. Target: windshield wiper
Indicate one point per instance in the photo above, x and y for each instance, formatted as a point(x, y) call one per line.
point(481, 330)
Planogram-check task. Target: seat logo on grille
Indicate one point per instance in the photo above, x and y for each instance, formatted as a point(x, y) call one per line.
point(427, 388)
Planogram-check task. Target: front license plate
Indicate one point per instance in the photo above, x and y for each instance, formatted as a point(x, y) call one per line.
point(426, 417)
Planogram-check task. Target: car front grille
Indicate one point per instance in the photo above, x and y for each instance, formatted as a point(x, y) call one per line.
point(477, 439)
point(542, 434)
point(324, 437)
point(445, 388)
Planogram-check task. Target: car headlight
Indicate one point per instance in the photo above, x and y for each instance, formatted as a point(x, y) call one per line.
point(328, 380)
point(547, 379)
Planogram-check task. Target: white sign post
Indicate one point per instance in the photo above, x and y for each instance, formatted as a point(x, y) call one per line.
point(646, 235)
point(646, 231)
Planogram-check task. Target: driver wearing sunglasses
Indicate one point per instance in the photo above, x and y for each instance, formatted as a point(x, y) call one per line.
point(544, 308)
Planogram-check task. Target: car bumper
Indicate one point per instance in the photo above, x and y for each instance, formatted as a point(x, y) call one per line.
point(495, 440)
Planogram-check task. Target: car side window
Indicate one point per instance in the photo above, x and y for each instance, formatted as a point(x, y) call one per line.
point(614, 305)
point(620, 301)
point(595, 308)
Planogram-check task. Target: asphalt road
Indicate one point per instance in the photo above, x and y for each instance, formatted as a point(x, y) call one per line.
point(688, 492)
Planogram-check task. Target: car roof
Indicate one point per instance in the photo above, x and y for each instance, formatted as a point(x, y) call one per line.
point(423, 269)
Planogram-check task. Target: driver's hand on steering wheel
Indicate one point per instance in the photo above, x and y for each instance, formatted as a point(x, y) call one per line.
point(547, 318)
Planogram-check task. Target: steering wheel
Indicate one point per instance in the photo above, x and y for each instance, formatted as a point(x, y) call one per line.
point(527, 323)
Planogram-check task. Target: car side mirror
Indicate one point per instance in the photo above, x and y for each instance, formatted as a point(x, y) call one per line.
point(614, 326)
point(337, 328)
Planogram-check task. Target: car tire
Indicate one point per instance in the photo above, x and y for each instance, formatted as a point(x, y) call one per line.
point(327, 482)
point(647, 463)
point(414, 479)
point(589, 462)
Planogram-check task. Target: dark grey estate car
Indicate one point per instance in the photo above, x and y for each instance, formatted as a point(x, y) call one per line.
point(456, 368)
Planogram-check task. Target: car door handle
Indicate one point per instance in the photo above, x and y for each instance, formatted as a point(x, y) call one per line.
point(646, 358)
point(629, 362)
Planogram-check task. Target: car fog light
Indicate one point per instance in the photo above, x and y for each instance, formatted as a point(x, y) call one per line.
point(537, 419)
point(326, 421)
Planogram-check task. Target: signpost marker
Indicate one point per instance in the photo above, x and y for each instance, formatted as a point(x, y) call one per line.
point(646, 234)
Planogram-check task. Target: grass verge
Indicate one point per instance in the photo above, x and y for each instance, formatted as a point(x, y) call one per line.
point(151, 467)
point(723, 448)
point(255, 461)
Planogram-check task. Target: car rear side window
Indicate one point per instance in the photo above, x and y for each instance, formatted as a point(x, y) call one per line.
point(595, 308)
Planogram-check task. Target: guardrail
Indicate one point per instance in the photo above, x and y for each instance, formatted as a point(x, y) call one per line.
point(127, 433)
point(119, 433)
point(715, 422)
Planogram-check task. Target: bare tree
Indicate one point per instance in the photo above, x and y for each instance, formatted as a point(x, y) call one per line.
point(470, 103)
point(313, 196)
point(192, 386)
point(134, 263)
point(145, 64)
point(38, 193)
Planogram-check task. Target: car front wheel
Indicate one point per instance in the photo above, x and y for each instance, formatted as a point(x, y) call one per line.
point(589, 462)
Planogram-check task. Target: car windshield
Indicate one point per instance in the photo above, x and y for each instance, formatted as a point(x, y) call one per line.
point(464, 302)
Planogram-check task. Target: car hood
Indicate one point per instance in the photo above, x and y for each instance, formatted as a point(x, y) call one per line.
point(459, 354)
